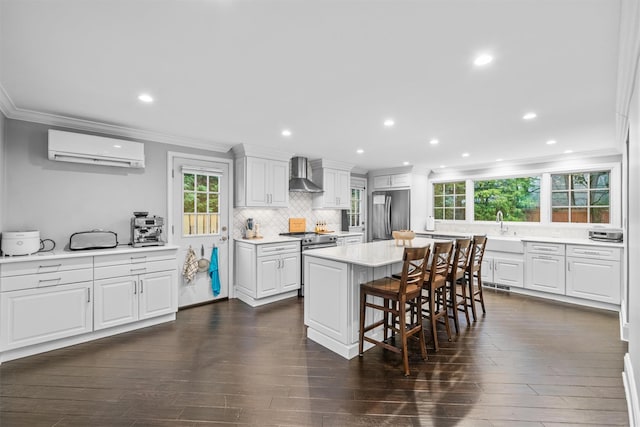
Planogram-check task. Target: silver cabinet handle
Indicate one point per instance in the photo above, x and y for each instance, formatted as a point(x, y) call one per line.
point(141, 286)
point(143, 269)
point(50, 266)
point(88, 294)
point(568, 265)
point(57, 279)
point(135, 287)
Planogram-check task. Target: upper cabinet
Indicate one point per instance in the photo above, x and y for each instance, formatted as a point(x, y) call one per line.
point(261, 178)
point(400, 180)
point(335, 179)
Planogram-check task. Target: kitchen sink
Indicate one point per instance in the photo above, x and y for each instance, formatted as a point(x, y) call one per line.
point(505, 244)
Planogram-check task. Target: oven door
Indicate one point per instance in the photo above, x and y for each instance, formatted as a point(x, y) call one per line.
point(307, 248)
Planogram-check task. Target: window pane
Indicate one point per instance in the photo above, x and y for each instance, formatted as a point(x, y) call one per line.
point(459, 187)
point(438, 202)
point(213, 183)
point(202, 182)
point(517, 198)
point(188, 205)
point(579, 198)
point(214, 224)
point(579, 215)
point(560, 199)
point(188, 181)
point(560, 215)
point(448, 201)
point(579, 181)
point(438, 213)
point(202, 202)
point(213, 203)
point(459, 214)
point(559, 182)
point(438, 189)
point(449, 188)
point(599, 198)
point(599, 180)
point(600, 215)
point(448, 214)
point(460, 202)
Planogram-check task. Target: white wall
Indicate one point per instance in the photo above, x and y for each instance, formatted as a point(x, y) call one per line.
point(2, 168)
point(60, 198)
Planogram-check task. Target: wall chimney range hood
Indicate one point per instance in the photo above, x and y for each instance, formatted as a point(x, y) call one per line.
point(299, 180)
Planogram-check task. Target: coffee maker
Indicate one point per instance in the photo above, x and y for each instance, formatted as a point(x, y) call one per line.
point(145, 230)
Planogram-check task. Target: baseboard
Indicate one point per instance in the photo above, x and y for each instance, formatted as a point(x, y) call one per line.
point(624, 326)
point(630, 391)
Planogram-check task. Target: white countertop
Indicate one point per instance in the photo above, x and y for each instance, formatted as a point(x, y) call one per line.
point(347, 233)
point(373, 254)
point(546, 239)
point(268, 239)
point(62, 253)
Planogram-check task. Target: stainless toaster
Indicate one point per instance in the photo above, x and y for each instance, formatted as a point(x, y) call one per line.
point(94, 239)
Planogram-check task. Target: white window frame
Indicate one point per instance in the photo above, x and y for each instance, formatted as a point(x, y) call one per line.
point(202, 172)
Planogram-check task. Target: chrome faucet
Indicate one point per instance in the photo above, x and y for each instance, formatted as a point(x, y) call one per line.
point(499, 218)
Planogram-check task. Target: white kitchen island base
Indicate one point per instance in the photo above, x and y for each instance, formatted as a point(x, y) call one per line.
point(332, 278)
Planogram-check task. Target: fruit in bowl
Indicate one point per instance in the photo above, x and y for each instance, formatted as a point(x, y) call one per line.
point(404, 236)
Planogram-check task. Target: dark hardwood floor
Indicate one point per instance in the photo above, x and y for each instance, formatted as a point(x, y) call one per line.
point(528, 362)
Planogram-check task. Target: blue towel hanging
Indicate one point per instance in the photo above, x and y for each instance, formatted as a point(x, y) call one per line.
point(213, 272)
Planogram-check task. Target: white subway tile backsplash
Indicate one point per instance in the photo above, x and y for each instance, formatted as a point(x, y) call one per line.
point(275, 221)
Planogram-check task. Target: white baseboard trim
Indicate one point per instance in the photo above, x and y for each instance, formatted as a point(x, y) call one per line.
point(624, 325)
point(630, 391)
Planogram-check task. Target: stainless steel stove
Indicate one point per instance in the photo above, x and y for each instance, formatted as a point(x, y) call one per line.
point(308, 241)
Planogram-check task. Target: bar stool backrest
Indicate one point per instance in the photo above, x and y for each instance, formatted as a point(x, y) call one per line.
point(441, 256)
point(477, 253)
point(414, 265)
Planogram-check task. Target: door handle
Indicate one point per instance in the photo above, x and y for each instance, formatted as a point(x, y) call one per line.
point(141, 286)
point(88, 294)
point(135, 287)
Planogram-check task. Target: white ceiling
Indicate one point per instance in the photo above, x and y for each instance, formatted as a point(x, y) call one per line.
point(238, 71)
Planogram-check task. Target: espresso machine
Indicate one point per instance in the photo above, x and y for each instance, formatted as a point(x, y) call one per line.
point(145, 230)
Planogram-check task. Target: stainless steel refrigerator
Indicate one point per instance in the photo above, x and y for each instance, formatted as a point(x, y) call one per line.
point(389, 212)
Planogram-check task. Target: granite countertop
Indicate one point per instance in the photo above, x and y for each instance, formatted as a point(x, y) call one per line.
point(372, 254)
point(63, 253)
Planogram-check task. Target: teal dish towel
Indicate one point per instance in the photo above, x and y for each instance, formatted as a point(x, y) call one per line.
point(213, 272)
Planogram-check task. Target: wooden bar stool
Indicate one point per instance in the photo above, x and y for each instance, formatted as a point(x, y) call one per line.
point(435, 287)
point(457, 281)
point(474, 274)
point(396, 294)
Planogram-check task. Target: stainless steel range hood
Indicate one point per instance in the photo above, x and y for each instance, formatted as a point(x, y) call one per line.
point(299, 180)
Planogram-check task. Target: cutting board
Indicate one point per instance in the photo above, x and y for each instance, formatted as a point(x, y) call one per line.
point(297, 225)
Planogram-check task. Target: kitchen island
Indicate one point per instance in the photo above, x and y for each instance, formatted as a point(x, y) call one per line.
point(332, 278)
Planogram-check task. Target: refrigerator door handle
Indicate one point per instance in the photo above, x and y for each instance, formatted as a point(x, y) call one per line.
point(387, 215)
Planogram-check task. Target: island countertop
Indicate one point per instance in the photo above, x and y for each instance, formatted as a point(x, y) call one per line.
point(372, 254)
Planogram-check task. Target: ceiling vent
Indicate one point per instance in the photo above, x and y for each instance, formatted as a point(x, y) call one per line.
point(95, 150)
point(299, 180)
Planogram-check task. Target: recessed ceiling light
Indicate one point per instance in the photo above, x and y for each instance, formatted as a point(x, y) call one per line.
point(434, 142)
point(389, 123)
point(482, 60)
point(568, 151)
point(442, 166)
point(359, 151)
point(499, 160)
point(145, 97)
point(551, 142)
point(530, 116)
point(405, 163)
point(465, 154)
point(117, 146)
point(286, 132)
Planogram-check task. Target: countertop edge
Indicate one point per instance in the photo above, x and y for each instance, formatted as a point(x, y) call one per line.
point(83, 253)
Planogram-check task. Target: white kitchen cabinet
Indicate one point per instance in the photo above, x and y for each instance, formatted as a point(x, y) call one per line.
point(349, 240)
point(594, 273)
point(335, 179)
point(545, 267)
point(267, 272)
point(382, 182)
point(45, 300)
point(261, 177)
point(131, 288)
point(503, 271)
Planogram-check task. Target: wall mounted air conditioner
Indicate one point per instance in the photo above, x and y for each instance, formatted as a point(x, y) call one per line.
point(95, 150)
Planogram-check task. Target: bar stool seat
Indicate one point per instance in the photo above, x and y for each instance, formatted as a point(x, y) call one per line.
point(396, 296)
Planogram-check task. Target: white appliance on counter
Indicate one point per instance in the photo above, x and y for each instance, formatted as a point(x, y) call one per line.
point(20, 242)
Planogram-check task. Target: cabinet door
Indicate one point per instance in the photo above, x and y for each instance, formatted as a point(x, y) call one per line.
point(34, 316)
point(116, 302)
point(330, 182)
point(257, 181)
point(545, 273)
point(343, 189)
point(401, 180)
point(382, 181)
point(487, 269)
point(245, 262)
point(508, 272)
point(592, 279)
point(278, 184)
point(157, 294)
point(290, 272)
point(268, 272)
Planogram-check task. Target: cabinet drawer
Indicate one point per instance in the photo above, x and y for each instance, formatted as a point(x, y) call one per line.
point(545, 248)
point(43, 280)
point(596, 252)
point(278, 248)
point(44, 265)
point(134, 258)
point(133, 269)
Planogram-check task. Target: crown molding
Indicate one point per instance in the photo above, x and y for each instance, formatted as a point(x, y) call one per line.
point(10, 111)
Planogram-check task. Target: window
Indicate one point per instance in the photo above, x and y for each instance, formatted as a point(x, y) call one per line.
point(355, 212)
point(200, 206)
point(517, 198)
point(581, 197)
point(449, 200)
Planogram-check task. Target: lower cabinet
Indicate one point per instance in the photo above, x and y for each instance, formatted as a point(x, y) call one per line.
point(34, 316)
point(505, 270)
point(594, 273)
point(545, 267)
point(267, 272)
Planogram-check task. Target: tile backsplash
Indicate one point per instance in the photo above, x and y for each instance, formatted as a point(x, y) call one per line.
point(275, 221)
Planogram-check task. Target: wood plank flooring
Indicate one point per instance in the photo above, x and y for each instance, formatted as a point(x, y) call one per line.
point(528, 362)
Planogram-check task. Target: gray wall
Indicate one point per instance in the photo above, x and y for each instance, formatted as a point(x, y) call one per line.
point(60, 198)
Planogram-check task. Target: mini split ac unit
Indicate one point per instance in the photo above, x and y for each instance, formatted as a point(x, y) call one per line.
point(95, 150)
